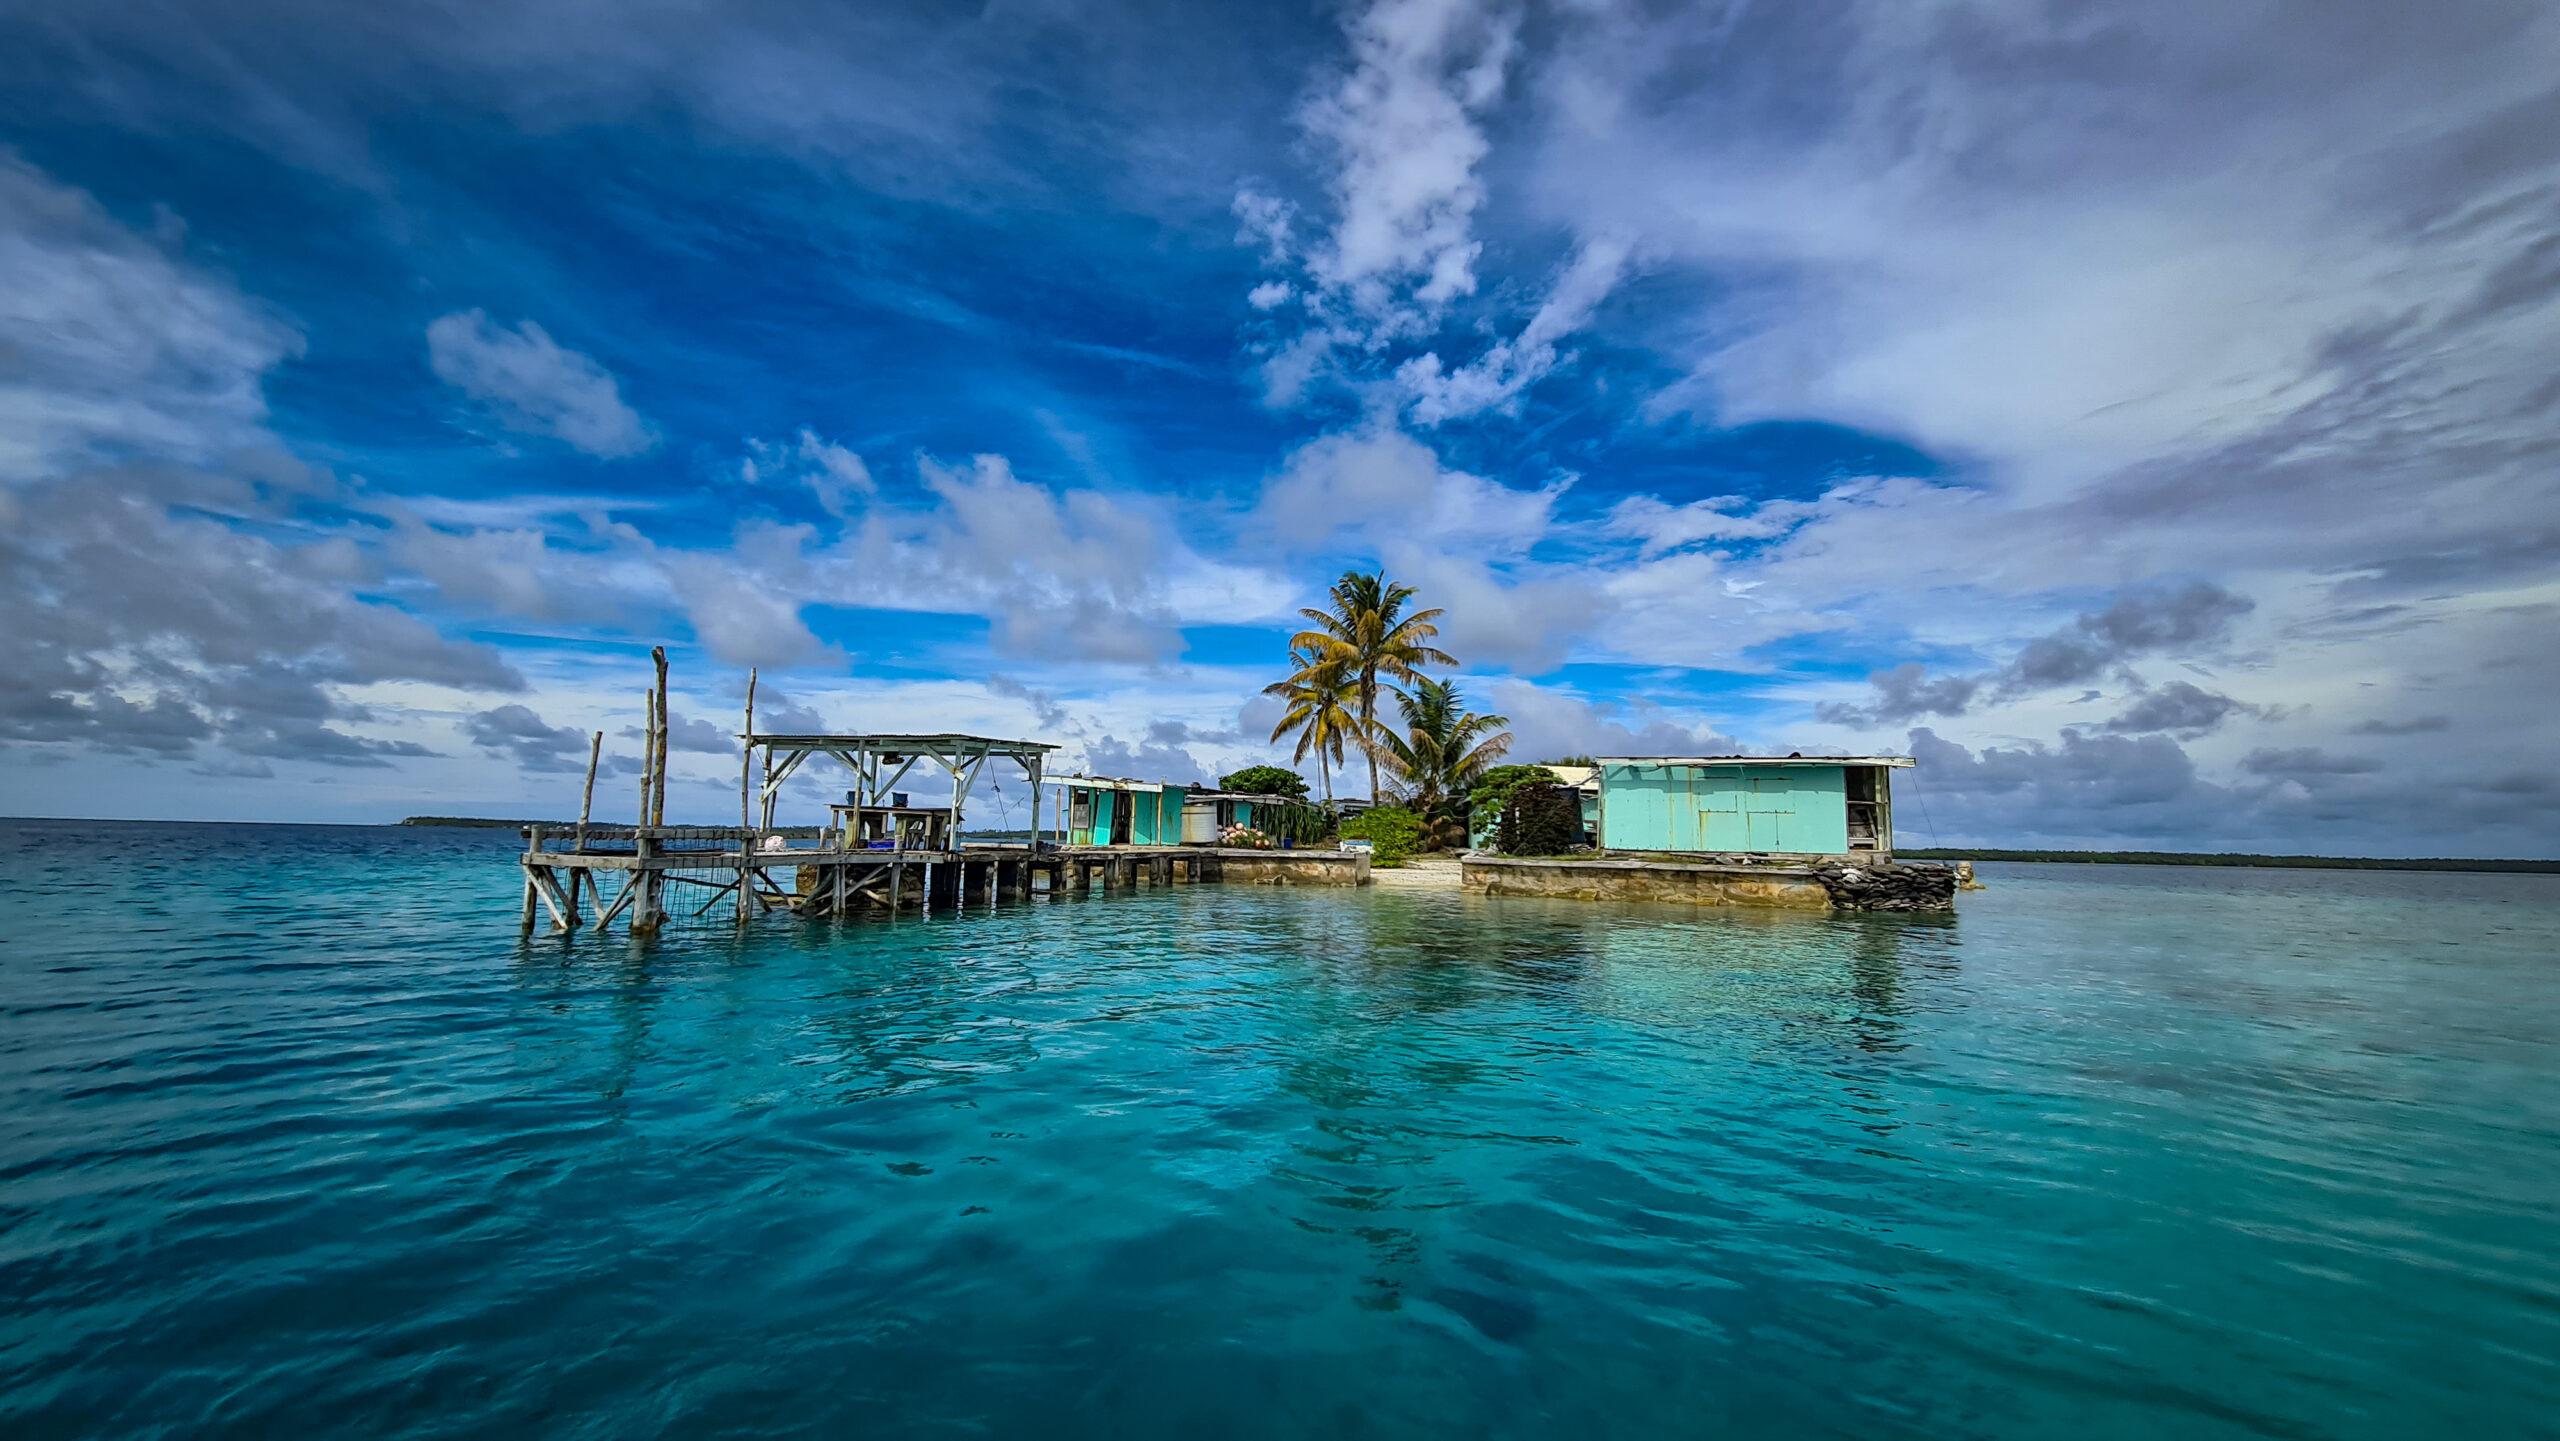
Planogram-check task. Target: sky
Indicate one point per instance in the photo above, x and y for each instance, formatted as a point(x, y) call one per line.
point(2143, 414)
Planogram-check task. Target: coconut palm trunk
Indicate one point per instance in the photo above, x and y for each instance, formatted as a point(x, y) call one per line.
point(1369, 725)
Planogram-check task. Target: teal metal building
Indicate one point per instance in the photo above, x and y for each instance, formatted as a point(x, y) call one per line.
point(1749, 805)
point(1097, 811)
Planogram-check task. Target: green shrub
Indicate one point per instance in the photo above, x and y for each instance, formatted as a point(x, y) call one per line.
point(1493, 791)
point(1295, 822)
point(1265, 781)
point(1541, 821)
point(1395, 831)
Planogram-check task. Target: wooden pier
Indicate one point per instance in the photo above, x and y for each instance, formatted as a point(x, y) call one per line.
point(877, 853)
point(662, 870)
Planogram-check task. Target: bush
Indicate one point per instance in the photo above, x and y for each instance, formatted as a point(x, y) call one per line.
point(1493, 790)
point(1395, 831)
point(1297, 822)
point(1265, 781)
point(1541, 821)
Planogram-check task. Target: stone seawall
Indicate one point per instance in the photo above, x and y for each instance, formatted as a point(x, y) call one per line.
point(1806, 888)
point(1291, 868)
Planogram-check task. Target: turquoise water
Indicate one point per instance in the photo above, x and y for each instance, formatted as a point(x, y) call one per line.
point(301, 1139)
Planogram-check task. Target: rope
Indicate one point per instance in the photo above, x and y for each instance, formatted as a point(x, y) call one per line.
point(1924, 810)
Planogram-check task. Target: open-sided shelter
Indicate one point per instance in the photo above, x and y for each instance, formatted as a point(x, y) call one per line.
point(873, 810)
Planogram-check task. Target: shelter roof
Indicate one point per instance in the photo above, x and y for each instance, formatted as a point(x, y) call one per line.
point(948, 742)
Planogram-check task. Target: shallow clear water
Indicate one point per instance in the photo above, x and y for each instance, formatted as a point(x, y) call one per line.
point(299, 1139)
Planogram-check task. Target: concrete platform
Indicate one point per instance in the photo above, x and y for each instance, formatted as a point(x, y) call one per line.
point(1829, 885)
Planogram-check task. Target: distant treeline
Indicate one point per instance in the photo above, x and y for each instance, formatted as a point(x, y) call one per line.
point(2236, 858)
point(484, 823)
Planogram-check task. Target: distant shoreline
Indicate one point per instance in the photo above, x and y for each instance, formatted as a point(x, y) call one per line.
point(2240, 859)
point(2235, 858)
point(2090, 858)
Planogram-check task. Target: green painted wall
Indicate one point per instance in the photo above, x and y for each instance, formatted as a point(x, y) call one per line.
point(1801, 809)
point(1150, 827)
point(1155, 816)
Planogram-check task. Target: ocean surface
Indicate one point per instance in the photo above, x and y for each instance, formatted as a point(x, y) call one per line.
point(300, 1138)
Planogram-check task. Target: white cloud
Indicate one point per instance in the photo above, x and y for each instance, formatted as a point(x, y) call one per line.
point(532, 384)
point(832, 472)
point(112, 347)
point(1495, 379)
point(1661, 526)
point(1402, 126)
point(1392, 489)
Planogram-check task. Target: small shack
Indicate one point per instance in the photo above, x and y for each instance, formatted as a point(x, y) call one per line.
point(1207, 814)
point(1792, 805)
point(1103, 811)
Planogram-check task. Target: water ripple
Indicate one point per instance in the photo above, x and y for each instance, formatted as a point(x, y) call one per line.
point(2116, 1152)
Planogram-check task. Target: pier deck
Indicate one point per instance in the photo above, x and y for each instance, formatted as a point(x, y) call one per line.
point(746, 869)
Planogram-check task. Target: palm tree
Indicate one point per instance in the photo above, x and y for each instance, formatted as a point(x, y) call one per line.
point(1318, 696)
point(1368, 635)
point(1445, 748)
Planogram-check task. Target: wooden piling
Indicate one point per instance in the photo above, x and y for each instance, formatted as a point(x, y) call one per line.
point(587, 802)
point(658, 794)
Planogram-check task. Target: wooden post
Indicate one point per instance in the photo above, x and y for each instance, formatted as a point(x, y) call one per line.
point(897, 882)
point(1033, 766)
point(587, 804)
point(645, 915)
point(747, 759)
point(527, 923)
point(746, 806)
point(648, 747)
point(658, 793)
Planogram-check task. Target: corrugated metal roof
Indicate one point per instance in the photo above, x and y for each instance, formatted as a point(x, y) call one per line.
point(1797, 760)
point(1109, 783)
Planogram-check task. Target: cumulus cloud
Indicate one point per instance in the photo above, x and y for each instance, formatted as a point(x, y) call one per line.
point(778, 714)
point(520, 733)
point(1661, 526)
point(2302, 761)
point(2084, 785)
point(2419, 725)
point(1495, 379)
point(692, 733)
point(1402, 126)
point(1548, 723)
point(112, 347)
point(187, 627)
point(1905, 692)
point(1402, 129)
point(1386, 482)
point(832, 472)
point(169, 594)
point(2154, 620)
point(530, 383)
point(2180, 707)
point(1161, 755)
point(1044, 707)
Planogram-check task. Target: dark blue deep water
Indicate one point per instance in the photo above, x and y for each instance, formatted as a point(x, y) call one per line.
point(300, 1139)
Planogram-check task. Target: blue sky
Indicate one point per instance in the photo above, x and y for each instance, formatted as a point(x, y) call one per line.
point(2141, 414)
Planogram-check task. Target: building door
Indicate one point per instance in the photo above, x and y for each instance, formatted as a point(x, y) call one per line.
point(1767, 806)
point(1123, 806)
